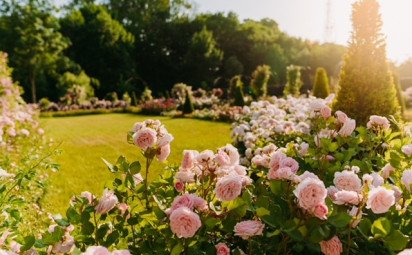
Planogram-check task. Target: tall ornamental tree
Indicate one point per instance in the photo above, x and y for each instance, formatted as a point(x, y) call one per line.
point(321, 84)
point(366, 84)
point(260, 79)
point(294, 81)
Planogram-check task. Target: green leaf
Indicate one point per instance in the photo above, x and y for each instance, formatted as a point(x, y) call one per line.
point(177, 250)
point(111, 167)
point(72, 215)
point(28, 243)
point(381, 227)
point(135, 167)
point(396, 240)
point(340, 220)
point(261, 211)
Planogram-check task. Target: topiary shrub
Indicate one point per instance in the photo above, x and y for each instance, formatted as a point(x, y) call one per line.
point(238, 95)
point(321, 85)
point(259, 82)
point(188, 104)
point(294, 82)
point(366, 84)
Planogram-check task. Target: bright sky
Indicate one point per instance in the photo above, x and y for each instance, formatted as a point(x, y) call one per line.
point(306, 19)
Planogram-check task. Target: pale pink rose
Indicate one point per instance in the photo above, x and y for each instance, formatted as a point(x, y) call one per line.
point(138, 178)
point(25, 132)
point(332, 190)
point(249, 228)
point(123, 207)
point(188, 159)
point(329, 158)
point(377, 179)
point(137, 126)
point(321, 211)
point(240, 170)
point(15, 247)
point(40, 131)
point(354, 211)
point(222, 159)
point(407, 179)
point(107, 202)
point(308, 174)
point(121, 252)
point(291, 163)
point(185, 200)
point(341, 117)
point(367, 179)
point(275, 159)
point(232, 152)
point(345, 197)
point(387, 170)
point(261, 160)
point(397, 192)
point(326, 112)
point(184, 223)
point(222, 249)
point(310, 192)
point(406, 252)
point(164, 139)
point(96, 250)
point(145, 138)
point(89, 196)
point(380, 200)
point(378, 122)
point(332, 246)
point(347, 128)
point(347, 180)
point(303, 149)
point(64, 246)
point(229, 187)
point(283, 173)
point(185, 176)
point(407, 149)
point(163, 153)
point(205, 157)
point(179, 186)
point(200, 204)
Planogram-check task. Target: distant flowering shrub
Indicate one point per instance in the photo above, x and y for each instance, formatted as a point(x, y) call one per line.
point(158, 106)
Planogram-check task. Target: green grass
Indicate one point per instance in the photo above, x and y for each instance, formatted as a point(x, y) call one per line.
point(87, 139)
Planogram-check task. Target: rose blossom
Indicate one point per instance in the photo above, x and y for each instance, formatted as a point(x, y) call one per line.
point(379, 122)
point(283, 173)
point(185, 176)
point(387, 170)
point(332, 190)
point(407, 179)
point(121, 252)
point(107, 202)
point(232, 152)
point(96, 250)
point(163, 153)
point(332, 246)
point(407, 149)
point(310, 192)
point(64, 246)
point(222, 249)
point(188, 159)
point(380, 200)
point(346, 197)
point(138, 178)
point(89, 196)
point(321, 211)
point(179, 186)
point(347, 128)
point(325, 112)
point(341, 116)
point(406, 252)
point(275, 159)
point(249, 228)
point(291, 163)
point(145, 138)
point(184, 223)
point(222, 159)
point(229, 187)
point(347, 180)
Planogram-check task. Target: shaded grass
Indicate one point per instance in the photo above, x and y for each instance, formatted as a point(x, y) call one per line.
point(87, 139)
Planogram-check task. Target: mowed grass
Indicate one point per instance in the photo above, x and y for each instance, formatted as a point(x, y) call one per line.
point(87, 139)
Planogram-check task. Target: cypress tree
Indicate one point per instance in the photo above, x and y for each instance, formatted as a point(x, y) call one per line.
point(321, 84)
point(238, 95)
point(188, 105)
point(366, 84)
point(259, 82)
point(294, 81)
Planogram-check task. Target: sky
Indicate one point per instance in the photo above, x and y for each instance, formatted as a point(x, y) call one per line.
point(307, 19)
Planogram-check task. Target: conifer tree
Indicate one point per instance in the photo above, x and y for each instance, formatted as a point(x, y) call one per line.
point(321, 84)
point(294, 81)
point(188, 104)
point(259, 82)
point(237, 85)
point(366, 83)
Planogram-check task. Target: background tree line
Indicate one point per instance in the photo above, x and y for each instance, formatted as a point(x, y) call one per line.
point(126, 45)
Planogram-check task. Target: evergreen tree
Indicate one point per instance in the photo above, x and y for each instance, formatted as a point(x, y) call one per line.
point(366, 84)
point(260, 78)
point(294, 81)
point(236, 85)
point(321, 84)
point(188, 105)
point(399, 93)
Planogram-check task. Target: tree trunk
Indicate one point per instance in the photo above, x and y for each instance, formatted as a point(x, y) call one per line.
point(33, 88)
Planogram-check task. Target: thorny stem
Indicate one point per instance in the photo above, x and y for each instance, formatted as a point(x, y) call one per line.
point(146, 181)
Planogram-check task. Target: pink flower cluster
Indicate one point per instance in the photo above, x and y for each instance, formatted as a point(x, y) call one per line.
point(249, 228)
point(107, 202)
point(151, 134)
point(100, 250)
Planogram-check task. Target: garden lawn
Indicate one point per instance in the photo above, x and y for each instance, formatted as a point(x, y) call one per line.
point(87, 139)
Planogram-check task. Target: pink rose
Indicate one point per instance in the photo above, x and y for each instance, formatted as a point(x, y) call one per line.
point(138, 178)
point(275, 159)
point(123, 207)
point(407, 179)
point(406, 252)
point(232, 153)
point(347, 180)
point(345, 197)
point(107, 202)
point(222, 159)
point(96, 250)
point(321, 211)
point(310, 192)
point(249, 228)
point(303, 149)
point(407, 149)
point(164, 139)
point(184, 223)
point(380, 200)
point(332, 246)
point(89, 196)
point(185, 200)
point(347, 128)
point(222, 249)
point(145, 138)
point(64, 246)
point(306, 175)
point(341, 116)
point(185, 176)
point(179, 186)
point(229, 187)
point(283, 173)
point(188, 159)
point(205, 157)
point(387, 170)
point(121, 252)
point(291, 163)
point(378, 122)
point(163, 153)
point(325, 112)
point(332, 190)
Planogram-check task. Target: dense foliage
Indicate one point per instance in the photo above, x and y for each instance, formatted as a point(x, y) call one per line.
point(321, 85)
